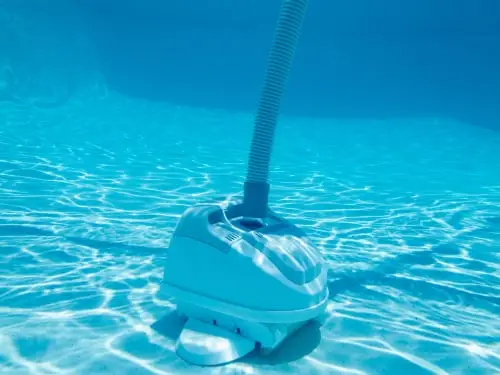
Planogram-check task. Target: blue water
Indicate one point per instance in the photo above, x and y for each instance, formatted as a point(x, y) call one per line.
point(98, 160)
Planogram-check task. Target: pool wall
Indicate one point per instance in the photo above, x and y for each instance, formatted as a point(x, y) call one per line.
point(360, 59)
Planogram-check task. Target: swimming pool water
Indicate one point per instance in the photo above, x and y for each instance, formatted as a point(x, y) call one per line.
point(407, 213)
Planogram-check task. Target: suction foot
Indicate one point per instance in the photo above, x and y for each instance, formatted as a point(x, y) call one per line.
point(204, 344)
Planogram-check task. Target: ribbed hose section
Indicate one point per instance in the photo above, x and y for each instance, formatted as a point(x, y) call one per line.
point(278, 66)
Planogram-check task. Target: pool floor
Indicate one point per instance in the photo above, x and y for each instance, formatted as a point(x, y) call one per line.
point(407, 213)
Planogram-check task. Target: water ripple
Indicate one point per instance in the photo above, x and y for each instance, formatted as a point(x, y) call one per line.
point(406, 212)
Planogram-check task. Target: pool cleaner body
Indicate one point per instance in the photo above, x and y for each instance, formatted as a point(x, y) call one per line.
point(242, 277)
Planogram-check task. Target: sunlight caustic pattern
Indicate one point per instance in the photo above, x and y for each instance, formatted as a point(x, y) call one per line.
point(407, 213)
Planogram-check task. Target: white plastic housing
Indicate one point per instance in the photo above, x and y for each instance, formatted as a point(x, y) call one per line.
point(259, 279)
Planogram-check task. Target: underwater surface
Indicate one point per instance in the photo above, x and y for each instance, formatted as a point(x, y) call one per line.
point(97, 164)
